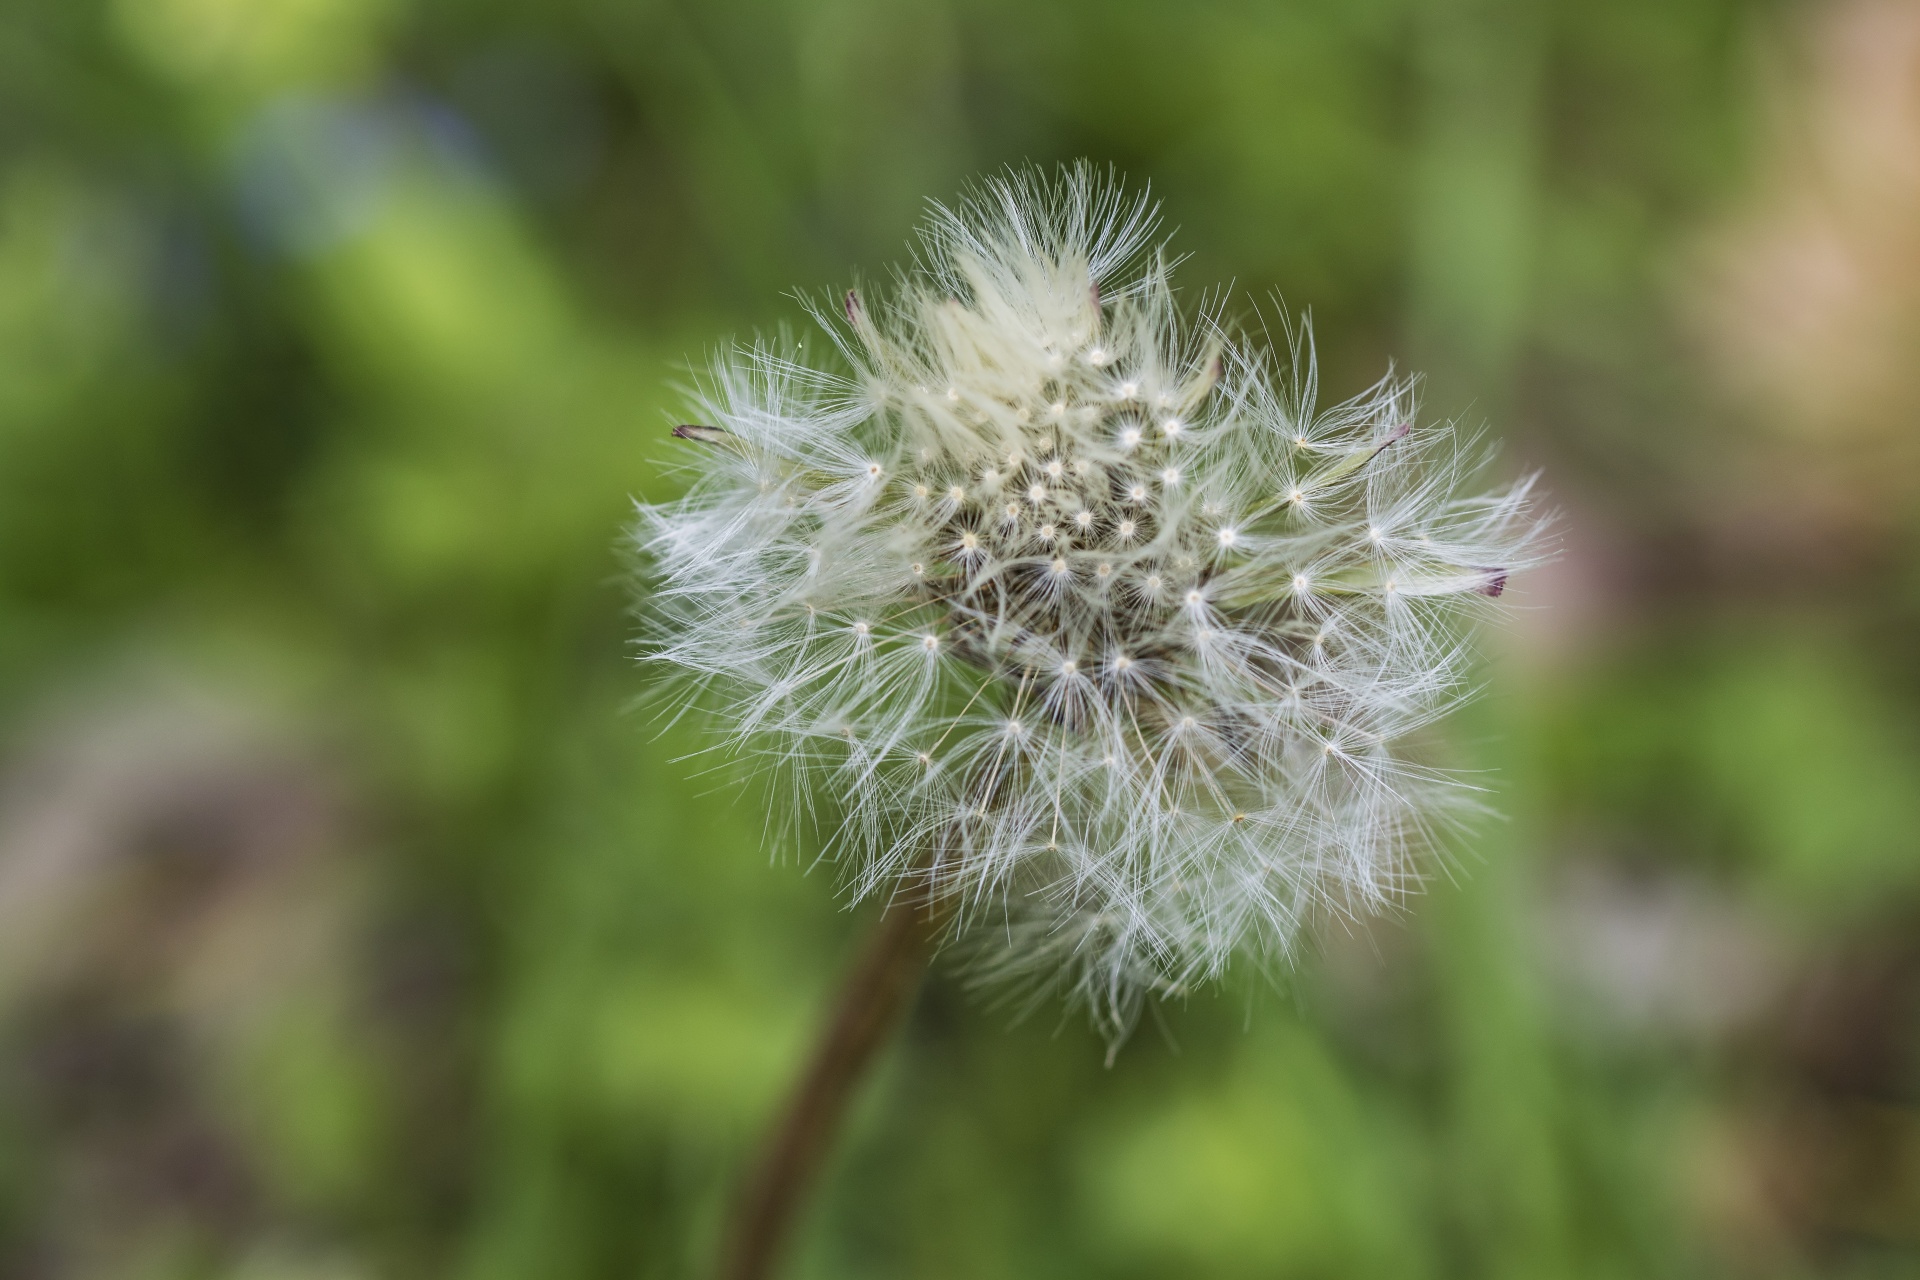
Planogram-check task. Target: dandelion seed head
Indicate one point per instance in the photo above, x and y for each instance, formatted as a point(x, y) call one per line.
point(1133, 827)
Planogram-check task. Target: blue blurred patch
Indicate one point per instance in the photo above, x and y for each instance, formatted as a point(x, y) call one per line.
point(310, 173)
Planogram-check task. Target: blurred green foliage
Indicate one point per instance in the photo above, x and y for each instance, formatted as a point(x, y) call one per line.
point(356, 923)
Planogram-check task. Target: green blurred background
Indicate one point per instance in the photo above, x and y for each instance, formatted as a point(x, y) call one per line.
point(354, 925)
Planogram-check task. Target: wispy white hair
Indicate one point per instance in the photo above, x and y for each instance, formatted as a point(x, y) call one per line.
point(1073, 612)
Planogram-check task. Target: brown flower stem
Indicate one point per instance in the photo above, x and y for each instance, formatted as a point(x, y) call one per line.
point(872, 1001)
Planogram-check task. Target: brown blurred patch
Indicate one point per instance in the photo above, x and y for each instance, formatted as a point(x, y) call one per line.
point(1847, 1118)
point(1815, 1157)
point(1808, 299)
point(172, 875)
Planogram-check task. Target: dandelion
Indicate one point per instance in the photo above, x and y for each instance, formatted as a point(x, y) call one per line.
point(1146, 706)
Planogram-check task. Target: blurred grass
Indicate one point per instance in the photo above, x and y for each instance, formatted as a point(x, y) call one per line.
point(352, 923)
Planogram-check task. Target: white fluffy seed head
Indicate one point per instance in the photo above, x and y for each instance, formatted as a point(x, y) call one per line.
point(1235, 764)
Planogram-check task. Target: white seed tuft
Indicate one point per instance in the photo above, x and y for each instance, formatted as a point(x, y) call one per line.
point(1235, 764)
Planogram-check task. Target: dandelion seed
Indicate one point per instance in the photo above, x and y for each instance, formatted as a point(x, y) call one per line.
point(1224, 672)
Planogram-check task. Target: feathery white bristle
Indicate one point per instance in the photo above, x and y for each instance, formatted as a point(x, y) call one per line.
point(1079, 611)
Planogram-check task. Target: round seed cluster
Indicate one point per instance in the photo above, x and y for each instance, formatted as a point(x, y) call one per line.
point(1074, 613)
